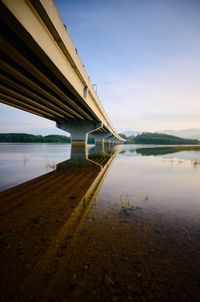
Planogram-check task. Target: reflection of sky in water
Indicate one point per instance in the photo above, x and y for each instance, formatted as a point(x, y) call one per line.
point(179, 157)
point(22, 162)
point(188, 155)
point(171, 182)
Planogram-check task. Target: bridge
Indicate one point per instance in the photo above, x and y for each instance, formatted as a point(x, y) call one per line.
point(42, 73)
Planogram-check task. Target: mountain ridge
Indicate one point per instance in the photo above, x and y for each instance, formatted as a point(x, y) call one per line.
point(191, 133)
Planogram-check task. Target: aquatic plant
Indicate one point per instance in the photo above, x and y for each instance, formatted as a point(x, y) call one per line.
point(50, 164)
point(127, 206)
point(196, 163)
point(147, 196)
point(25, 159)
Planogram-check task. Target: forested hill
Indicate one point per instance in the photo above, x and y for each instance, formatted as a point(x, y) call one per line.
point(161, 139)
point(144, 138)
point(30, 138)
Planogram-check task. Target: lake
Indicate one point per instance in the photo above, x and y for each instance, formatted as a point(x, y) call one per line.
point(22, 162)
point(116, 223)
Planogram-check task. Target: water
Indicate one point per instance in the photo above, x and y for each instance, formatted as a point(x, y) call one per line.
point(167, 180)
point(112, 224)
point(22, 162)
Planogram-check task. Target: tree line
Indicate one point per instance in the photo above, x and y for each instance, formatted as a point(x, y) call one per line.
point(159, 138)
point(30, 138)
point(144, 138)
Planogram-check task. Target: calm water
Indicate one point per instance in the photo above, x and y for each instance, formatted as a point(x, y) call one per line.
point(165, 180)
point(22, 162)
point(112, 224)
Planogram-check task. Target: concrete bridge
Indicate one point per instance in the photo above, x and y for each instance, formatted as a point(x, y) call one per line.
point(42, 73)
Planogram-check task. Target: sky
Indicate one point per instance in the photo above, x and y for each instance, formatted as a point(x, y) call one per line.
point(144, 56)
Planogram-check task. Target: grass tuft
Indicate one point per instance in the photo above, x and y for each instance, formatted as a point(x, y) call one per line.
point(127, 207)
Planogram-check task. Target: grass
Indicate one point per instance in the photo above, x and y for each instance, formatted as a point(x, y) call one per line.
point(50, 164)
point(147, 196)
point(127, 206)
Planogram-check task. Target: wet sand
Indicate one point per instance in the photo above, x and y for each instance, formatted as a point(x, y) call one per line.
point(58, 246)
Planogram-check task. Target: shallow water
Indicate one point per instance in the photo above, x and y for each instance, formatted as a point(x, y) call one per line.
point(22, 162)
point(119, 224)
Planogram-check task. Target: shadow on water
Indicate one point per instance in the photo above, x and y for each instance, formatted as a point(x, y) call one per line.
point(39, 218)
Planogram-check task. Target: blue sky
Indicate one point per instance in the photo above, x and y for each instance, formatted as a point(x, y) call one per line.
point(144, 56)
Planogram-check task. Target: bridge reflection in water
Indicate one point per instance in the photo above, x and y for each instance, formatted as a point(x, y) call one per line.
point(40, 217)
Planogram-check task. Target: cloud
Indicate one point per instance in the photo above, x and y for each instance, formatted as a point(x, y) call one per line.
point(171, 89)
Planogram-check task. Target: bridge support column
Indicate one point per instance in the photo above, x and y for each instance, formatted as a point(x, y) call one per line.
point(79, 130)
point(111, 140)
point(107, 139)
point(117, 142)
point(99, 137)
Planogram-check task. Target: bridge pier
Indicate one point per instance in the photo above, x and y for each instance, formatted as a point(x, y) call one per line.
point(111, 140)
point(79, 130)
point(99, 137)
point(107, 139)
point(117, 141)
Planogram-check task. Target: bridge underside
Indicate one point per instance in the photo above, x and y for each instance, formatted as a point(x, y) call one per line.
point(32, 82)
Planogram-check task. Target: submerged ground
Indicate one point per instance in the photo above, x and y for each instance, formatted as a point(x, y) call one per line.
point(118, 225)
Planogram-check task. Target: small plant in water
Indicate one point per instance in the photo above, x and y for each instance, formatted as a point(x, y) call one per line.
point(127, 206)
point(147, 196)
point(50, 165)
point(25, 159)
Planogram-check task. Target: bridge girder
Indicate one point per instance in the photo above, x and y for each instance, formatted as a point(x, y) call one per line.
point(41, 70)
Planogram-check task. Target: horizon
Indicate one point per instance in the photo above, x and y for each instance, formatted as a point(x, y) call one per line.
point(144, 58)
point(62, 132)
point(27, 125)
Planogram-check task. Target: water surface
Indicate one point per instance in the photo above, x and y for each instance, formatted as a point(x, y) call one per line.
point(112, 224)
point(22, 162)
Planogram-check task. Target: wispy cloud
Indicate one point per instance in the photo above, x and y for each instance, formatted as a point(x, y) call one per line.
point(170, 89)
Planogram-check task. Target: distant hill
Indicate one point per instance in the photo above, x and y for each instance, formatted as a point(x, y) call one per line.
point(122, 135)
point(30, 138)
point(196, 137)
point(161, 139)
point(193, 133)
point(144, 138)
point(131, 133)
